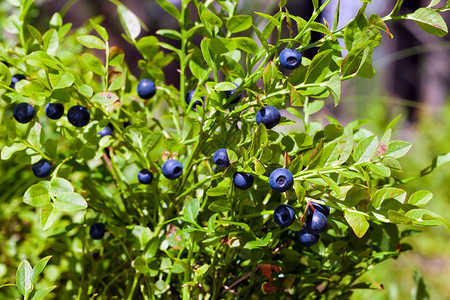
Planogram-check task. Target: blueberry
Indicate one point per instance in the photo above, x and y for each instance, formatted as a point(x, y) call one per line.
point(107, 130)
point(146, 88)
point(281, 180)
point(78, 116)
point(290, 58)
point(220, 158)
point(284, 215)
point(316, 222)
point(243, 180)
point(321, 208)
point(145, 176)
point(189, 97)
point(97, 231)
point(269, 116)
point(41, 169)
point(23, 112)
point(126, 124)
point(172, 169)
point(231, 92)
point(54, 110)
point(15, 79)
point(307, 238)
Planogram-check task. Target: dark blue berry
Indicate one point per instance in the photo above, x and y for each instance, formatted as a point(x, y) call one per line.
point(284, 215)
point(78, 116)
point(269, 116)
point(97, 231)
point(145, 176)
point(290, 58)
point(242, 180)
point(220, 158)
point(172, 169)
point(146, 88)
point(307, 238)
point(321, 208)
point(15, 79)
point(54, 110)
point(189, 97)
point(231, 92)
point(316, 222)
point(281, 180)
point(41, 169)
point(107, 130)
point(23, 112)
point(126, 124)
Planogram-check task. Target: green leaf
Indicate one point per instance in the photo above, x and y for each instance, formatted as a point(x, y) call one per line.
point(24, 278)
point(5, 74)
point(224, 86)
point(35, 33)
point(117, 83)
point(313, 107)
point(420, 198)
point(211, 22)
point(220, 205)
point(129, 21)
point(397, 7)
point(260, 139)
point(65, 81)
point(8, 151)
point(239, 23)
point(39, 267)
point(270, 77)
point(246, 44)
point(259, 243)
point(191, 209)
point(380, 169)
point(197, 70)
point(48, 216)
point(100, 30)
point(86, 90)
point(204, 46)
point(50, 41)
point(357, 222)
point(319, 67)
point(59, 186)
point(426, 217)
point(42, 293)
point(334, 87)
point(365, 149)
point(170, 33)
point(36, 195)
point(170, 8)
point(437, 162)
point(332, 184)
point(39, 58)
point(347, 147)
point(387, 193)
point(105, 98)
point(269, 17)
point(397, 149)
point(148, 46)
point(218, 191)
point(70, 201)
point(91, 41)
point(355, 59)
point(430, 21)
point(94, 64)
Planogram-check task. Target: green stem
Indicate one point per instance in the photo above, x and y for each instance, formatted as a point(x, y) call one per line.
point(133, 286)
point(187, 270)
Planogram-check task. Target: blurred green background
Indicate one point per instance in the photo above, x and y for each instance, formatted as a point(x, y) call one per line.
point(412, 80)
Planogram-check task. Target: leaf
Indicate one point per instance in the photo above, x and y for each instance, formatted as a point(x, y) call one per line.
point(357, 222)
point(100, 30)
point(42, 293)
point(35, 33)
point(239, 23)
point(204, 46)
point(170, 8)
point(319, 67)
point(40, 57)
point(387, 193)
point(39, 267)
point(36, 195)
point(218, 191)
point(347, 147)
point(191, 209)
point(70, 201)
point(420, 198)
point(86, 90)
point(334, 87)
point(270, 77)
point(8, 151)
point(66, 80)
point(426, 217)
point(246, 44)
point(48, 216)
point(256, 244)
point(117, 83)
point(437, 162)
point(59, 186)
point(365, 149)
point(211, 22)
point(91, 41)
point(5, 74)
point(224, 86)
point(94, 64)
point(24, 278)
point(429, 20)
point(50, 41)
point(380, 170)
point(332, 184)
point(105, 98)
point(129, 21)
point(220, 205)
point(397, 149)
point(313, 107)
point(397, 7)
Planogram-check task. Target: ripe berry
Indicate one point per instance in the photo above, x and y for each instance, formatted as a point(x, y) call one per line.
point(15, 79)
point(172, 169)
point(290, 58)
point(145, 176)
point(189, 97)
point(41, 169)
point(231, 92)
point(307, 238)
point(316, 222)
point(54, 110)
point(284, 215)
point(243, 180)
point(146, 88)
point(269, 116)
point(78, 116)
point(97, 231)
point(220, 158)
point(321, 208)
point(107, 130)
point(23, 112)
point(281, 180)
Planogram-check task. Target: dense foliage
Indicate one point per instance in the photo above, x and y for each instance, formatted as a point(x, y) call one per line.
point(200, 227)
